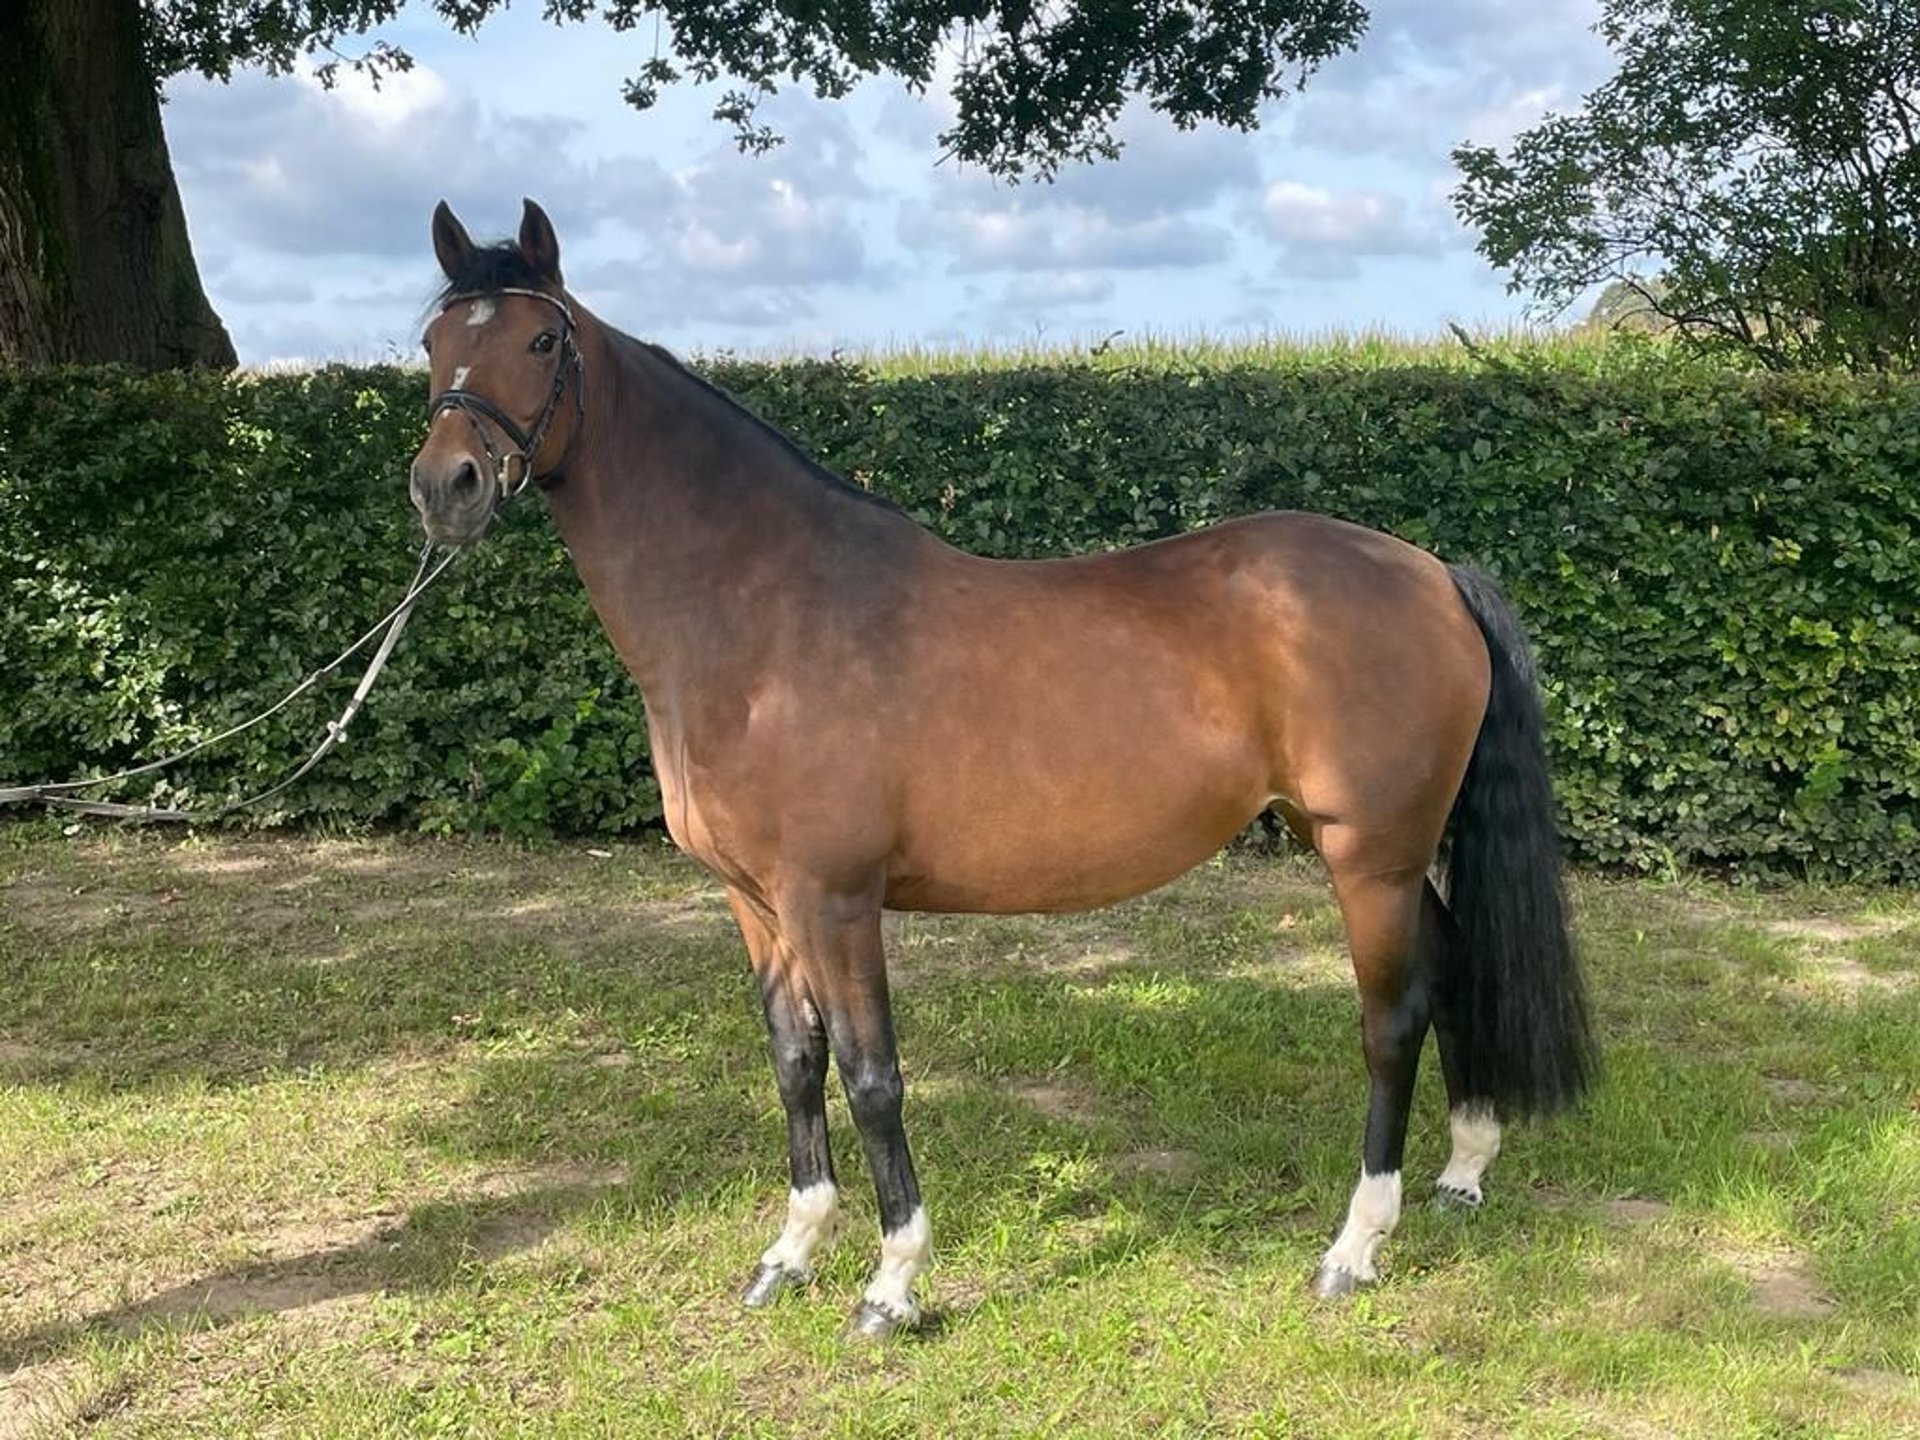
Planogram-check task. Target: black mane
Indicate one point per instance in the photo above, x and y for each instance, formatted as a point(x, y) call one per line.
point(812, 466)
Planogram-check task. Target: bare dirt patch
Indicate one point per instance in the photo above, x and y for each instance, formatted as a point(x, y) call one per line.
point(1162, 1164)
point(56, 906)
point(557, 1175)
point(1793, 1091)
point(1632, 1211)
point(1845, 973)
point(1880, 1384)
point(1623, 1210)
point(1832, 951)
point(1096, 962)
point(36, 1398)
point(1782, 1285)
point(1831, 930)
point(1784, 1290)
point(231, 1297)
point(239, 860)
point(1059, 1099)
point(326, 1266)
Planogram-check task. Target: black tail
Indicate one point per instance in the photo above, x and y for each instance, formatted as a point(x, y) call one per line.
point(1512, 985)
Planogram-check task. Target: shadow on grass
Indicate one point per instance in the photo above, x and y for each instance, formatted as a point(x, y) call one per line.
point(430, 1248)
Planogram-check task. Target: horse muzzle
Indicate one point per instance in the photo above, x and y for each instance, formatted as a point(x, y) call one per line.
point(455, 497)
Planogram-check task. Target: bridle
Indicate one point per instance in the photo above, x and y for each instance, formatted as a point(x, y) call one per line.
point(477, 407)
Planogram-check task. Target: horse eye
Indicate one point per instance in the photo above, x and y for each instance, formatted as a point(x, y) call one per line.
point(426, 343)
point(543, 343)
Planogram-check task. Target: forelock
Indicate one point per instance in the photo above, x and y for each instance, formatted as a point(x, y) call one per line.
point(493, 267)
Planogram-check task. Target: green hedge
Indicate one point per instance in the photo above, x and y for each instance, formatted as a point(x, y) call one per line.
point(1719, 570)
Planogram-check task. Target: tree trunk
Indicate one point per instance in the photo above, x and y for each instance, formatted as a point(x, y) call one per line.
point(94, 259)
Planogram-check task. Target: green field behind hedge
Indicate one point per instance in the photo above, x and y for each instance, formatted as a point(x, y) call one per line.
point(1719, 568)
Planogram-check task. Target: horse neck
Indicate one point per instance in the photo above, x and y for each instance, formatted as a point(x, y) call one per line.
point(688, 522)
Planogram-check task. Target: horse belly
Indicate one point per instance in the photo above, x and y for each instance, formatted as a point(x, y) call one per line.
point(1070, 841)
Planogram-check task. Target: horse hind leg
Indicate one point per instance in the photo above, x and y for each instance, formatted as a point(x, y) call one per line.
point(1394, 960)
point(1474, 1123)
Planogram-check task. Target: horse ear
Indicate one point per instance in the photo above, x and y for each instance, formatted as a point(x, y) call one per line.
point(538, 243)
point(451, 244)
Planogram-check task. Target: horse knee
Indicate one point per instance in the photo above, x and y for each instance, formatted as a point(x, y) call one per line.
point(1390, 1028)
point(800, 1071)
point(874, 1094)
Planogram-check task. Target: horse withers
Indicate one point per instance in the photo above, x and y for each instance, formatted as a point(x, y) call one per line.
point(848, 715)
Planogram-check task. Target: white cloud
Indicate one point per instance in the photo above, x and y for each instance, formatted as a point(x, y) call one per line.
point(1325, 233)
point(1481, 38)
point(309, 209)
point(1363, 224)
point(1150, 208)
point(1067, 237)
point(316, 186)
point(1027, 293)
point(783, 219)
point(1500, 121)
point(1432, 73)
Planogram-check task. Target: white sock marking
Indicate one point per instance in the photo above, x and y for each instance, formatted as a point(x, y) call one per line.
point(1476, 1140)
point(810, 1217)
point(903, 1255)
point(1371, 1216)
point(480, 312)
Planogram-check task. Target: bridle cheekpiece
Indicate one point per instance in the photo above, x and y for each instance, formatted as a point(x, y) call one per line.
point(477, 407)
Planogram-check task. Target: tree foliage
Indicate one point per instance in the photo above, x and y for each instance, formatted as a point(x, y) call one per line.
point(1756, 157)
point(1036, 82)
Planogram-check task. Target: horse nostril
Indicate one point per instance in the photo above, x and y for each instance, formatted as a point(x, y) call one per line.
point(466, 480)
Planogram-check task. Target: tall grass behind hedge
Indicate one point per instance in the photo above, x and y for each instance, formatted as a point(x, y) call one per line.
point(1719, 570)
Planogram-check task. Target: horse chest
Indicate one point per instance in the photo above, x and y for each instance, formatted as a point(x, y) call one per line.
point(701, 801)
point(688, 821)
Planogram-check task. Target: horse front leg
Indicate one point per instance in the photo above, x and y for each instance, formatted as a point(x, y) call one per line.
point(870, 1072)
point(799, 1042)
point(837, 936)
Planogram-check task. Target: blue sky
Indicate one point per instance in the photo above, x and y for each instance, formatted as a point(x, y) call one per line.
point(309, 209)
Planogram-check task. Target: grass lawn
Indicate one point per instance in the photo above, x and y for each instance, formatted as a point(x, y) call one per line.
point(383, 1137)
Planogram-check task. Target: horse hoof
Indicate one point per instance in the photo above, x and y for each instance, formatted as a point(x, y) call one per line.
point(1457, 1195)
point(768, 1284)
point(1335, 1282)
point(870, 1322)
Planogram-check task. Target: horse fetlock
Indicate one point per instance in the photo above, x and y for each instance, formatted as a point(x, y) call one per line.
point(904, 1254)
point(1476, 1144)
point(812, 1221)
point(1371, 1217)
